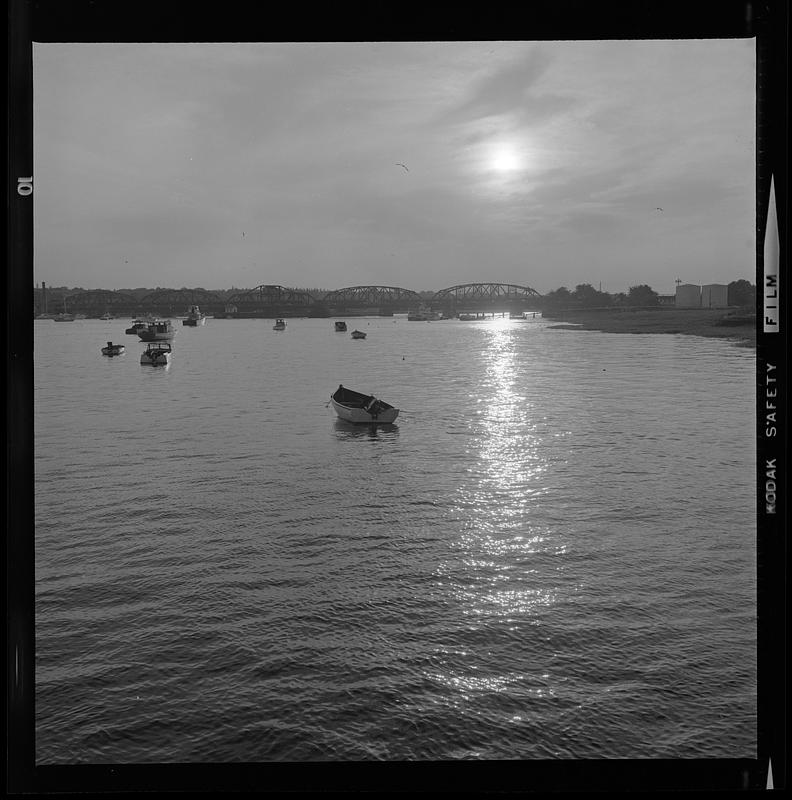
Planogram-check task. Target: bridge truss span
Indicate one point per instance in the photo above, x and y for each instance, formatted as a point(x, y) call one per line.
point(372, 297)
point(484, 296)
point(272, 295)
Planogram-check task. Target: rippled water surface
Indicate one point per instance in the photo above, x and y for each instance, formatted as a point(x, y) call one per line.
point(549, 555)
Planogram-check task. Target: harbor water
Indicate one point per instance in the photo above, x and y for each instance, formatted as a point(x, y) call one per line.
point(550, 554)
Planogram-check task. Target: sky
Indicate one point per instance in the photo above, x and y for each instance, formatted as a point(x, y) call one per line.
point(422, 165)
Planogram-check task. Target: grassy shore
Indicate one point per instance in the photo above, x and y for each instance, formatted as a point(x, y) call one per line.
point(694, 322)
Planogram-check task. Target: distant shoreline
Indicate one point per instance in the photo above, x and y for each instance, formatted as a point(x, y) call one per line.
point(692, 322)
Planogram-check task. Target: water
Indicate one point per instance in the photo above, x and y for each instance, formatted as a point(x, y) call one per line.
point(549, 555)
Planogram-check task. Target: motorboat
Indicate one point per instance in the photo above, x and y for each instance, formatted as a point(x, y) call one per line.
point(340, 326)
point(160, 330)
point(356, 407)
point(279, 325)
point(468, 317)
point(358, 335)
point(137, 326)
point(157, 353)
point(106, 316)
point(113, 349)
point(194, 317)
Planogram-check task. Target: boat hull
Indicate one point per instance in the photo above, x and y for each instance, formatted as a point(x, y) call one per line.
point(194, 323)
point(156, 361)
point(360, 416)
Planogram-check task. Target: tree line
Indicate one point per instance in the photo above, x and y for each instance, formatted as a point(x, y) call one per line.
point(584, 295)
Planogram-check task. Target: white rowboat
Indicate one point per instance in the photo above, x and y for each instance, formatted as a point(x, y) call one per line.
point(363, 408)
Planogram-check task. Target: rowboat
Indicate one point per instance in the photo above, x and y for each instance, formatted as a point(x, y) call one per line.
point(157, 353)
point(356, 407)
point(358, 335)
point(113, 349)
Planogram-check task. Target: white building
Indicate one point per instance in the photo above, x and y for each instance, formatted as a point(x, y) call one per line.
point(714, 295)
point(688, 295)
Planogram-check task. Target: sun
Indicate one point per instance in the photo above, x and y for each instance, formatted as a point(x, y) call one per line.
point(505, 158)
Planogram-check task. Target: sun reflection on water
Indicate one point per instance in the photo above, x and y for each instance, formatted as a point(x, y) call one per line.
point(505, 572)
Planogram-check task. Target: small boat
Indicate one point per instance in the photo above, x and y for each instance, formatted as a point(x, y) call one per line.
point(340, 326)
point(467, 317)
point(194, 317)
point(356, 407)
point(160, 330)
point(64, 316)
point(113, 349)
point(156, 353)
point(106, 316)
point(358, 335)
point(279, 325)
point(422, 314)
point(137, 326)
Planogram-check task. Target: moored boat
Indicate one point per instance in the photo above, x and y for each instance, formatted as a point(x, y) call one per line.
point(422, 314)
point(64, 316)
point(340, 326)
point(279, 325)
point(160, 330)
point(113, 349)
point(357, 407)
point(358, 334)
point(137, 326)
point(194, 317)
point(157, 353)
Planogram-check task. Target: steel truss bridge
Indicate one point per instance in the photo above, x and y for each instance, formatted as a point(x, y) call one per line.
point(485, 297)
point(384, 300)
point(269, 300)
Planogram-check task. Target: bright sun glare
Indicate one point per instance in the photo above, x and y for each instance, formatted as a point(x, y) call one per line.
point(505, 158)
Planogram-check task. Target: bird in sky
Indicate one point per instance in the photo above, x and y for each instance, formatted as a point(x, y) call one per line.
point(402, 165)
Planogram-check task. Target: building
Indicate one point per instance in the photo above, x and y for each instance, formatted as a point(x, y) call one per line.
point(688, 295)
point(714, 295)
